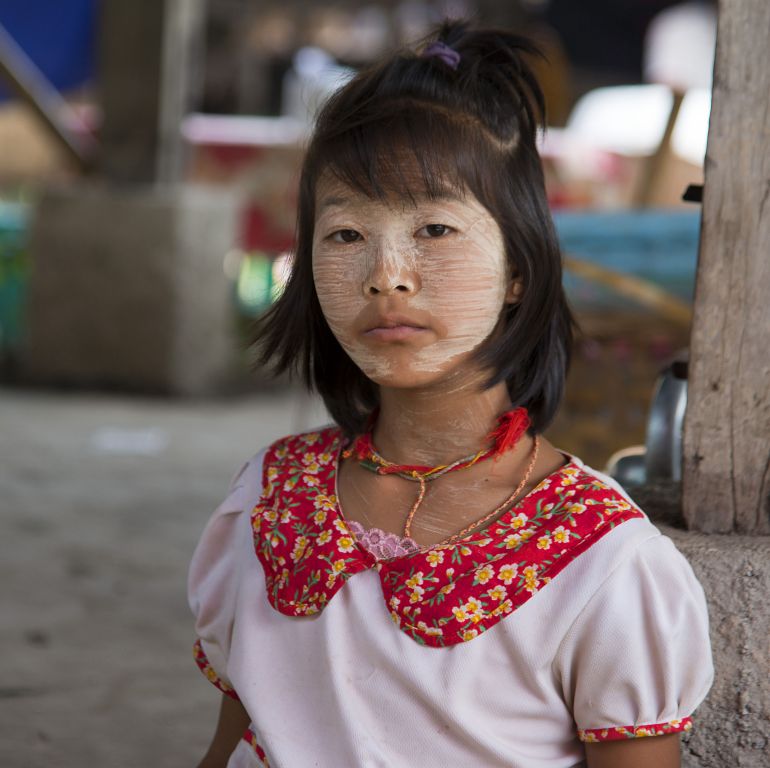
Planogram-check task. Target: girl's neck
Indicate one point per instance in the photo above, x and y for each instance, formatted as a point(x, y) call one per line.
point(430, 427)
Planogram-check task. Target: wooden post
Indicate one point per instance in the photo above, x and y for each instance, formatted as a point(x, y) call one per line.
point(726, 470)
point(148, 64)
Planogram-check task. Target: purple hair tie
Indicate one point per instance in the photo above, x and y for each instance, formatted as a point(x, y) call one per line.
point(442, 51)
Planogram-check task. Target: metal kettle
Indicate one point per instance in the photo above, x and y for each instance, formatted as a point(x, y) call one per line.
point(663, 454)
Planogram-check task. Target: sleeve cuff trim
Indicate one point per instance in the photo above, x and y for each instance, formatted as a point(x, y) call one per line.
point(203, 664)
point(616, 733)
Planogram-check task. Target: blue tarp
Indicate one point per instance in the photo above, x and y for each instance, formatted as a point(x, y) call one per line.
point(657, 245)
point(58, 36)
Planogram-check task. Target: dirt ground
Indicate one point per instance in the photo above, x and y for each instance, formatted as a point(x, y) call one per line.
point(102, 499)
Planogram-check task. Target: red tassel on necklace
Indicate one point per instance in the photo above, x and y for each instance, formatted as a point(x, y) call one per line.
point(509, 430)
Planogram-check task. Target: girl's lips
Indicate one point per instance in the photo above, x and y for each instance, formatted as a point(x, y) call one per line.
point(394, 333)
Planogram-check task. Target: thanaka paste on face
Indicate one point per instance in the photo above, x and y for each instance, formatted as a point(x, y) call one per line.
point(456, 281)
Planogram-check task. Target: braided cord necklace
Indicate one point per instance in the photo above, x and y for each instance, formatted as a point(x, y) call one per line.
point(511, 426)
point(498, 509)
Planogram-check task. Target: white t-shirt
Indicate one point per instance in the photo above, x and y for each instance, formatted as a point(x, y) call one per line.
point(570, 618)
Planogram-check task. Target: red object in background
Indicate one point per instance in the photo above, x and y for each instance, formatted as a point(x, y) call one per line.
point(232, 157)
point(259, 232)
point(660, 348)
point(259, 156)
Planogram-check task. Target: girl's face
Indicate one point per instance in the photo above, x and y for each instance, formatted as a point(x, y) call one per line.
point(408, 289)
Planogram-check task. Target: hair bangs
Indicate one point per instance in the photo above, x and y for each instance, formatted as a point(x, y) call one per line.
point(410, 153)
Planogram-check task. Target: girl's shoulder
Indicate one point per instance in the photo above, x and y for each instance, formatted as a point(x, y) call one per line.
point(305, 448)
point(303, 453)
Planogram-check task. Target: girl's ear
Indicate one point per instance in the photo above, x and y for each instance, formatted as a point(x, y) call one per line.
point(515, 290)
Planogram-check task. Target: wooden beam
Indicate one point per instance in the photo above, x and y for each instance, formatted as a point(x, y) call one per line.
point(31, 86)
point(726, 472)
point(652, 168)
point(637, 289)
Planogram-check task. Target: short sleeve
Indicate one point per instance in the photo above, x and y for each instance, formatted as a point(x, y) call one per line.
point(213, 579)
point(637, 660)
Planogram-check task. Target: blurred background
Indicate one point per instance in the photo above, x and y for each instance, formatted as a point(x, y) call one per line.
point(149, 154)
point(127, 106)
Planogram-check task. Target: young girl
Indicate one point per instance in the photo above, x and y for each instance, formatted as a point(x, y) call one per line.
point(429, 582)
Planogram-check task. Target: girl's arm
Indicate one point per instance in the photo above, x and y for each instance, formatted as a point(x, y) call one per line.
point(657, 751)
point(232, 723)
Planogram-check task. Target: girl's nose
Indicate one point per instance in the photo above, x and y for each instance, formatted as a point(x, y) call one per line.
point(390, 274)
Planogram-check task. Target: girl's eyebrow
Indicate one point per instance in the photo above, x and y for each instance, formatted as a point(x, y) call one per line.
point(329, 202)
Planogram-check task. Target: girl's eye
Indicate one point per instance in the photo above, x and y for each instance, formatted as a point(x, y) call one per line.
point(436, 230)
point(346, 236)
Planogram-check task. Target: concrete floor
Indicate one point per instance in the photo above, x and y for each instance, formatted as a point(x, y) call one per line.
point(102, 500)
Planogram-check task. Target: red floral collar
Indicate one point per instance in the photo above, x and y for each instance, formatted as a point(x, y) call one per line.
point(441, 596)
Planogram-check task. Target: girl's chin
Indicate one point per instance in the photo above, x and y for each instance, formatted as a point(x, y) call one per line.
point(397, 375)
point(395, 381)
point(408, 376)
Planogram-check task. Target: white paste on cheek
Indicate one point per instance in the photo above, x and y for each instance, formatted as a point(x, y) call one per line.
point(339, 278)
point(465, 287)
point(349, 276)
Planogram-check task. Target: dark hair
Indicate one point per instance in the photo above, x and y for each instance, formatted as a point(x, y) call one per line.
point(474, 128)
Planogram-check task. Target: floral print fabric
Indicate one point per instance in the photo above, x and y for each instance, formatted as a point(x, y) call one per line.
point(617, 733)
point(439, 596)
